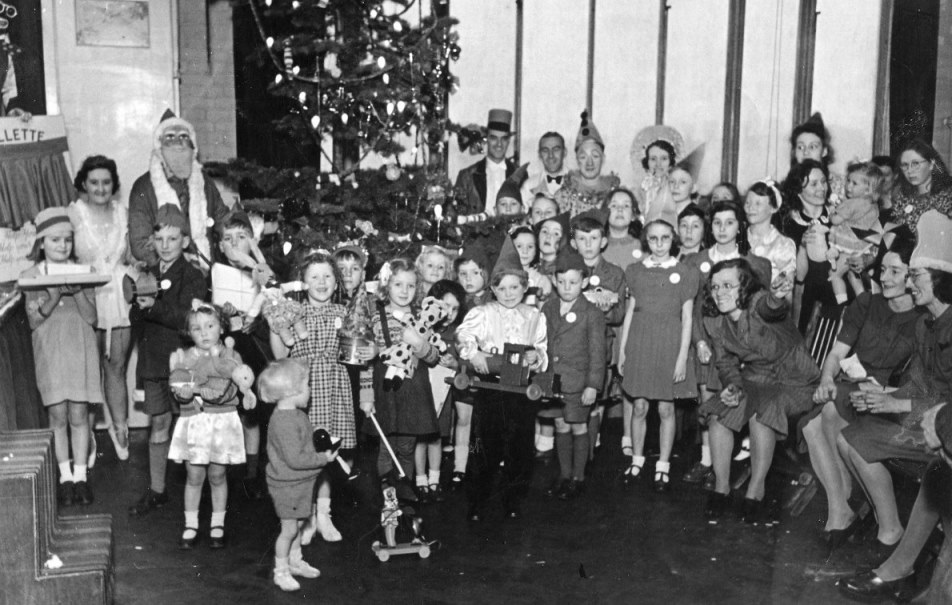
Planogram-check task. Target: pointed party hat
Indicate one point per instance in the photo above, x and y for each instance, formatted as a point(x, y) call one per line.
point(508, 262)
point(692, 162)
point(588, 132)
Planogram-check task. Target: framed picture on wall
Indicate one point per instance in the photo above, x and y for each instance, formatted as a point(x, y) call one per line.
point(112, 23)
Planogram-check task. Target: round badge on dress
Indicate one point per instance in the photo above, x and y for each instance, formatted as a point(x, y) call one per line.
point(675, 278)
point(908, 209)
point(209, 222)
point(571, 317)
point(165, 284)
point(594, 281)
point(636, 253)
point(338, 322)
point(705, 267)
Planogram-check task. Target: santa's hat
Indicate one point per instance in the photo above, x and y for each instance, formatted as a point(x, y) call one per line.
point(588, 132)
point(692, 162)
point(934, 246)
point(508, 262)
point(168, 120)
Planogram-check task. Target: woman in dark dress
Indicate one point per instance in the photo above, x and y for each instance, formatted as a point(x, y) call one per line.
point(766, 372)
point(879, 329)
point(890, 428)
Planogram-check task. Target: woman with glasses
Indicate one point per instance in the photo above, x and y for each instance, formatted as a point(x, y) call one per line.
point(923, 184)
point(765, 372)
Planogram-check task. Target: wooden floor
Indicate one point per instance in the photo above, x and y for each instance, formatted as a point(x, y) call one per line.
point(612, 545)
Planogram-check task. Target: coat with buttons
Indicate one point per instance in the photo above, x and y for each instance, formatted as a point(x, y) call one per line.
point(161, 327)
point(576, 346)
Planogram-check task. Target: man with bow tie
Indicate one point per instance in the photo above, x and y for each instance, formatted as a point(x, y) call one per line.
point(552, 155)
point(480, 182)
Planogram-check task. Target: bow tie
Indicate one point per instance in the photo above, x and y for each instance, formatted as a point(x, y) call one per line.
point(554, 179)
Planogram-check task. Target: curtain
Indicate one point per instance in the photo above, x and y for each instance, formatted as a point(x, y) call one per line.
point(33, 176)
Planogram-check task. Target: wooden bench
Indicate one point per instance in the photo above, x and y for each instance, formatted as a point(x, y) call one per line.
point(47, 558)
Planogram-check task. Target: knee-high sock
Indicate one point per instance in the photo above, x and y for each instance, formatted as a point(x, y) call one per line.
point(580, 455)
point(563, 449)
point(158, 463)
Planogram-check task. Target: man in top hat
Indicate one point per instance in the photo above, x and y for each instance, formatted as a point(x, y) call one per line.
point(174, 177)
point(552, 155)
point(481, 182)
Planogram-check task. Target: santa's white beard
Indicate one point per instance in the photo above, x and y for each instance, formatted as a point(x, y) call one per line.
point(179, 161)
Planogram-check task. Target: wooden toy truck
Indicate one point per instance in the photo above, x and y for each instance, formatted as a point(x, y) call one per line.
point(513, 376)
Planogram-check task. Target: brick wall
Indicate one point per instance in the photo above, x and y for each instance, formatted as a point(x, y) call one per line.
point(207, 88)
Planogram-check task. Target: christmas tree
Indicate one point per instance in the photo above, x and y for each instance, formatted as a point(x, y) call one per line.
point(361, 72)
point(365, 75)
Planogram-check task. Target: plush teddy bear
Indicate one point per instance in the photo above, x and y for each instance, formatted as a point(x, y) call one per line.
point(399, 357)
point(216, 378)
point(285, 316)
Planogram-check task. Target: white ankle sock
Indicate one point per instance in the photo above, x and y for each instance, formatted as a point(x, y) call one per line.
point(638, 461)
point(662, 467)
point(433, 477)
point(191, 519)
point(706, 455)
point(546, 443)
point(421, 480)
point(218, 520)
point(79, 472)
point(66, 474)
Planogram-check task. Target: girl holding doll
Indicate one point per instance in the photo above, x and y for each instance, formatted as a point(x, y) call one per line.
point(656, 344)
point(208, 435)
point(428, 449)
point(331, 406)
point(405, 412)
point(66, 354)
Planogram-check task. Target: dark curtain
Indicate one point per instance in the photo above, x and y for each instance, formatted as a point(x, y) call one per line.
point(33, 176)
point(20, 404)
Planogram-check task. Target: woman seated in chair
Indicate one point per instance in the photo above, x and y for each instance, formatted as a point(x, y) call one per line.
point(889, 422)
point(879, 329)
point(765, 369)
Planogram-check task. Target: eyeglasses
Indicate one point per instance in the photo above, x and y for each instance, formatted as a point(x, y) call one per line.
point(181, 138)
point(715, 288)
point(913, 165)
